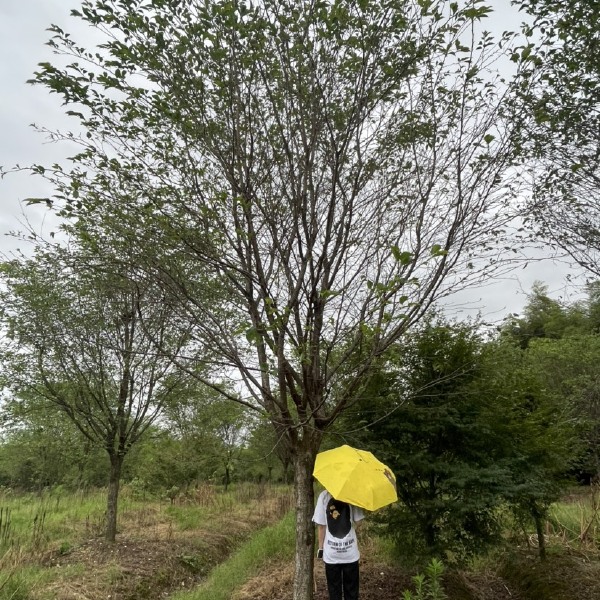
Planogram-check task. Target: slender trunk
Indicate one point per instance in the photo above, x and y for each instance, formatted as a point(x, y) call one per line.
point(227, 478)
point(116, 463)
point(538, 517)
point(305, 530)
point(539, 527)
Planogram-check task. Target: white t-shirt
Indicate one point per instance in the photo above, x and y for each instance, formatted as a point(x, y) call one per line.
point(340, 545)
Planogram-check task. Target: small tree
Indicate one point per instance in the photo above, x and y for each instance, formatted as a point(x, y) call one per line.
point(438, 436)
point(82, 339)
point(467, 427)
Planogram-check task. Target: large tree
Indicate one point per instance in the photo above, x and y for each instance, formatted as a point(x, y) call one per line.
point(561, 91)
point(327, 168)
point(82, 339)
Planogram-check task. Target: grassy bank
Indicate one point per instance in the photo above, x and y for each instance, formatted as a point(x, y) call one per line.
point(274, 542)
point(51, 545)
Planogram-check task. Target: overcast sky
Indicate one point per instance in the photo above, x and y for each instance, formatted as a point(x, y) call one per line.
point(23, 34)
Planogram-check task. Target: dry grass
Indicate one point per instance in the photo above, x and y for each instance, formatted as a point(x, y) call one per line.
point(160, 546)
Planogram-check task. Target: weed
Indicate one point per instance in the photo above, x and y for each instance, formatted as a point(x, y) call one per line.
point(38, 537)
point(195, 563)
point(428, 586)
point(65, 548)
point(14, 588)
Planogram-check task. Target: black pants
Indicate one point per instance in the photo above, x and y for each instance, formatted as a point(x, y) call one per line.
point(342, 577)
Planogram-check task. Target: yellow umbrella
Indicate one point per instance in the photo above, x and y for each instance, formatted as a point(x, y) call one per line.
point(356, 476)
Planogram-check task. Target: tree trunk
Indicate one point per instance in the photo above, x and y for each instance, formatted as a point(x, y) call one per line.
point(116, 463)
point(539, 527)
point(305, 530)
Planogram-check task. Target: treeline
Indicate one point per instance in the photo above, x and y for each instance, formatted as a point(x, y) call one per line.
point(203, 438)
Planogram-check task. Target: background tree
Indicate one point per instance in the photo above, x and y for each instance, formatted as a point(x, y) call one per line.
point(264, 459)
point(560, 93)
point(82, 338)
point(438, 435)
point(40, 448)
point(213, 429)
point(568, 370)
point(544, 317)
point(330, 167)
point(468, 427)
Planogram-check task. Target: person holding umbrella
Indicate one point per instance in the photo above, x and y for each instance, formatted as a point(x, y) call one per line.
point(338, 545)
point(353, 480)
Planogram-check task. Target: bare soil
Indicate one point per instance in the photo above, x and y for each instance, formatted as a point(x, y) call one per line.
point(378, 582)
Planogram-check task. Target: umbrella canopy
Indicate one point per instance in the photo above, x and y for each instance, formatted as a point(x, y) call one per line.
point(356, 476)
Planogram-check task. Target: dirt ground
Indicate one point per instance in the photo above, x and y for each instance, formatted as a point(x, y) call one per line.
point(378, 582)
point(151, 558)
point(134, 569)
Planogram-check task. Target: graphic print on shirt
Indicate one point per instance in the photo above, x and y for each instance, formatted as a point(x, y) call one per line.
point(338, 518)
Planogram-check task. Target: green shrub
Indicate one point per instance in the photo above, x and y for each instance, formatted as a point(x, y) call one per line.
point(428, 586)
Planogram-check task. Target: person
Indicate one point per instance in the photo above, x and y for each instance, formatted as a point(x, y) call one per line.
point(338, 545)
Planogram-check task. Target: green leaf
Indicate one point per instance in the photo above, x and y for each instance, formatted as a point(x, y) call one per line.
point(34, 201)
point(404, 258)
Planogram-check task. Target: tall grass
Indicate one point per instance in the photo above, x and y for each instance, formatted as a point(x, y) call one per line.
point(576, 520)
point(272, 542)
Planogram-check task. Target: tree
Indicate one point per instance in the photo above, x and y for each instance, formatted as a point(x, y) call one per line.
point(82, 339)
point(560, 91)
point(538, 438)
point(263, 460)
point(439, 435)
point(328, 169)
point(468, 427)
point(543, 317)
point(213, 428)
point(568, 370)
point(40, 448)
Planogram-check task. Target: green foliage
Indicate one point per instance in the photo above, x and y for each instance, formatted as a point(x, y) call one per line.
point(257, 160)
point(544, 317)
point(558, 108)
point(469, 428)
point(437, 434)
point(428, 586)
point(562, 353)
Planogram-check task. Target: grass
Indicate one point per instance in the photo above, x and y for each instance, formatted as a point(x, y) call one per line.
point(52, 548)
point(268, 544)
point(210, 545)
point(576, 519)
